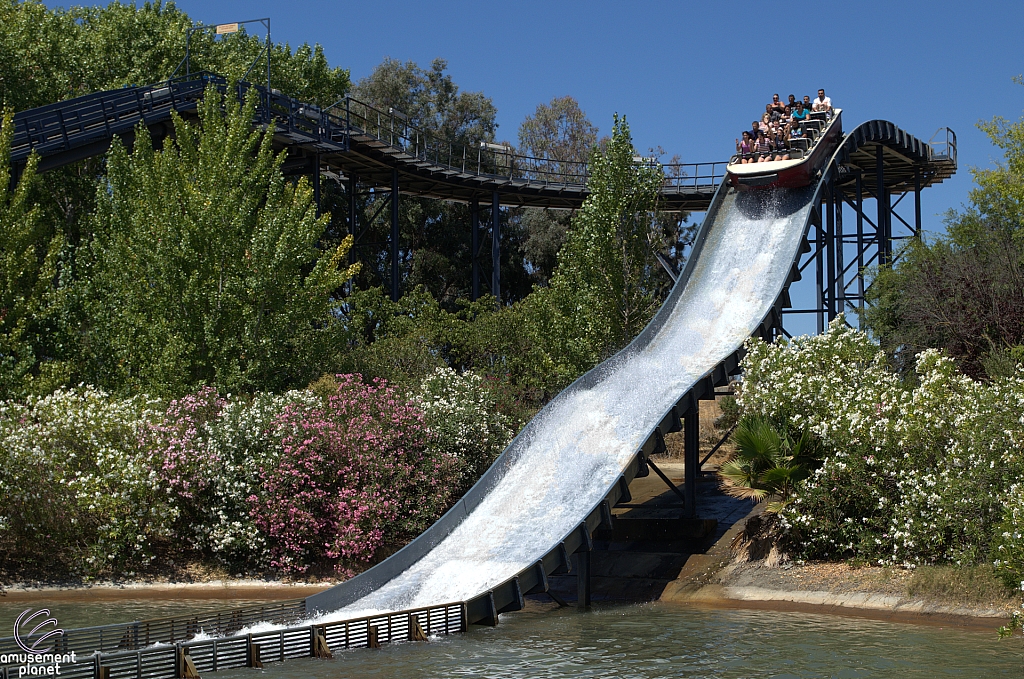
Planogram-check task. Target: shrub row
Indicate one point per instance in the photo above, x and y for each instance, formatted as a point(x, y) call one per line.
point(917, 469)
point(327, 479)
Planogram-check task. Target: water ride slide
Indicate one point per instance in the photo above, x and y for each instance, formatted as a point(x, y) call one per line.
point(556, 482)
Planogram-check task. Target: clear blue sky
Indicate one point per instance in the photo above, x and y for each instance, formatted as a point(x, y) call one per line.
point(690, 76)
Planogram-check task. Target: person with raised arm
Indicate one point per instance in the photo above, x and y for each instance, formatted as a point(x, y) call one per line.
point(745, 148)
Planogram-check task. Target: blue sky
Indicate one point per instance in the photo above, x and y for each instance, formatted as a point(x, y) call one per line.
point(690, 76)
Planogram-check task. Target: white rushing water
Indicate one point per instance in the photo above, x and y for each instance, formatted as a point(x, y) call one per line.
point(568, 457)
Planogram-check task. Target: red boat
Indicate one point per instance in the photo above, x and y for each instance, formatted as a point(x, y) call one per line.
point(807, 156)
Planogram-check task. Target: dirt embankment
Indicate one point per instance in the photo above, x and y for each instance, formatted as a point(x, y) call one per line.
point(715, 579)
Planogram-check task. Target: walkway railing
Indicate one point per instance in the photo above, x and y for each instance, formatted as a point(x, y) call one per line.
point(169, 630)
point(393, 129)
point(87, 124)
point(181, 658)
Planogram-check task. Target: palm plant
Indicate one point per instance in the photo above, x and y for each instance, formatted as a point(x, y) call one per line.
point(768, 464)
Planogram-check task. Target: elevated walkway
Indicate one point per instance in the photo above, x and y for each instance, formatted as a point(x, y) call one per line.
point(351, 139)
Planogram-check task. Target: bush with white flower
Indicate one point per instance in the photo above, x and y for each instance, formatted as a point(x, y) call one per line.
point(460, 413)
point(77, 491)
point(917, 469)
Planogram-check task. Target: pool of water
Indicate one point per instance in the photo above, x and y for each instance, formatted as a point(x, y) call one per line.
point(663, 640)
point(629, 642)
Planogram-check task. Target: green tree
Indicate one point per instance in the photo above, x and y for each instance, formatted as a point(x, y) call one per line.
point(964, 291)
point(605, 289)
point(28, 268)
point(562, 136)
point(204, 267)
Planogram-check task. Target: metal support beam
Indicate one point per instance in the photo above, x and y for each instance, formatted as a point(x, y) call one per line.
point(353, 218)
point(474, 220)
point(316, 183)
point(882, 198)
point(917, 202)
point(830, 250)
point(495, 248)
point(819, 271)
point(583, 583)
point(691, 460)
point(840, 302)
point(860, 240)
point(394, 235)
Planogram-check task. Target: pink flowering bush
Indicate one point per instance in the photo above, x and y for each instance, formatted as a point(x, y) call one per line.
point(353, 476)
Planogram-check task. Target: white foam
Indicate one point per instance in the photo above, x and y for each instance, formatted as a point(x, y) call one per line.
point(566, 460)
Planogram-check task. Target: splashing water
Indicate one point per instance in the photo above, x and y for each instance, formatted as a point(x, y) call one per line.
point(569, 456)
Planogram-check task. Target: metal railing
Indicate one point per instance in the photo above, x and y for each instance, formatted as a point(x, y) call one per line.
point(393, 129)
point(169, 630)
point(168, 660)
point(943, 145)
point(75, 123)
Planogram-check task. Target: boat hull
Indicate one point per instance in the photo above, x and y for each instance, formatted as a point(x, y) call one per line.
point(788, 174)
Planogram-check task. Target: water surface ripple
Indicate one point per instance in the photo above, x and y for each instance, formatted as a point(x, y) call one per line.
point(661, 640)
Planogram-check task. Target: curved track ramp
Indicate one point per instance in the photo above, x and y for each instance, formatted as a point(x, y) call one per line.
point(553, 486)
point(557, 481)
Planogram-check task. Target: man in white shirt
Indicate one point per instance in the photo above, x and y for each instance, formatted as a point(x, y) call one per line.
point(822, 103)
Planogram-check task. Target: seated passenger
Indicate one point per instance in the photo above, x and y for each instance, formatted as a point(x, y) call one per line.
point(807, 103)
point(772, 114)
point(745, 148)
point(766, 123)
point(822, 103)
point(799, 115)
point(781, 143)
point(755, 130)
point(776, 105)
point(792, 102)
point(786, 121)
point(763, 148)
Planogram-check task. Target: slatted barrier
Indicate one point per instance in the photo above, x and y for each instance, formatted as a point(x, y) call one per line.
point(192, 659)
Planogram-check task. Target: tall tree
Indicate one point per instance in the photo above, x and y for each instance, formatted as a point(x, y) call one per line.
point(204, 267)
point(964, 292)
point(561, 137)
point(606, 286)
point(28, 268)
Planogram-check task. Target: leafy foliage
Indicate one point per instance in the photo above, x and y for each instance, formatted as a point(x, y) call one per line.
point(77, 493)
point(964, 293)
point(605, 288)
point(768, 465)
point(915, 471)
point(459, 412)
point(205, 266)
point(28, 266)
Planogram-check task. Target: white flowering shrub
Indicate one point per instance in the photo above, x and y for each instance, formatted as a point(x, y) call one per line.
point(77, 492)
point(459, 412)
point(210, 452)
point(916, 471)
